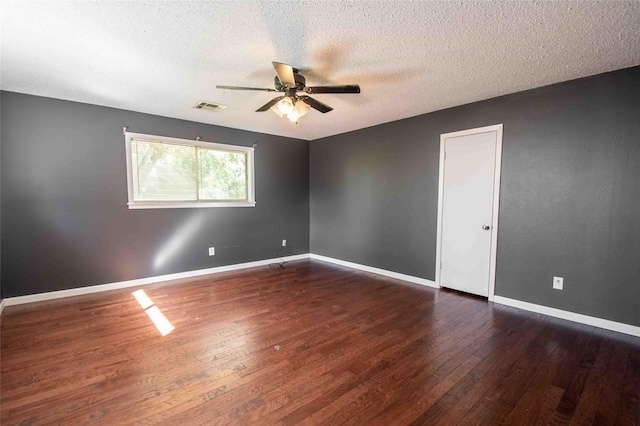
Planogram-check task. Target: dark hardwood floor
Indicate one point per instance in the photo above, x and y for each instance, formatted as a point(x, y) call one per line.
point(311, 344)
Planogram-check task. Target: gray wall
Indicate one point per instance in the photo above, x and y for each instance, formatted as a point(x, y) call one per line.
point(570, 195)
point(65, 221)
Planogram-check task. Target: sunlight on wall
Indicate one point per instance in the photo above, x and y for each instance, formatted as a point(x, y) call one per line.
point(178, 240)
point(157, 317)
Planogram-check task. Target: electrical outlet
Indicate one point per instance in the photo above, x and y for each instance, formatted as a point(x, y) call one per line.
point(212, 251)
point(284, 243)
point(558, 283)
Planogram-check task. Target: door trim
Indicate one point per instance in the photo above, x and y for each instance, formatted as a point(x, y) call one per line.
point(496, 201)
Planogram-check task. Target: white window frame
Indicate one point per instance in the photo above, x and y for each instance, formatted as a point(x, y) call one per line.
point(251, 199)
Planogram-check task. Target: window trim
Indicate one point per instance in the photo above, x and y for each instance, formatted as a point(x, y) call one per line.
point(249, 151)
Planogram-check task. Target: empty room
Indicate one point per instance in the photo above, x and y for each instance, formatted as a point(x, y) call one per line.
point(320, 212)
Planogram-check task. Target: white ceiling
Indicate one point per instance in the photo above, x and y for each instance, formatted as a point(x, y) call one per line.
point(409, 58)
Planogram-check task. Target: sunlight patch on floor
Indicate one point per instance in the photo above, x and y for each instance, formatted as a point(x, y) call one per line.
point(157, 317)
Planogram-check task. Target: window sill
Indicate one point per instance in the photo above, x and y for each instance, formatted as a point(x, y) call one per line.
point(190, 205)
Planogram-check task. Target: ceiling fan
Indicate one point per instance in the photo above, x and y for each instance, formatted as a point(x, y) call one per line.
point(295, 102)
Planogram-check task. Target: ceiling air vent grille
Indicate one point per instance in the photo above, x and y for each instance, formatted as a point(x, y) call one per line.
point(210, 106)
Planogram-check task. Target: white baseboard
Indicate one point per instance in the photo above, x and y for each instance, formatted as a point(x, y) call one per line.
point(39, 297)
point(571, 316)
point(396, 275)
point(545, 310)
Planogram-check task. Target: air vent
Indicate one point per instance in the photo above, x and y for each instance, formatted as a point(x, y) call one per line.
point(210, 105)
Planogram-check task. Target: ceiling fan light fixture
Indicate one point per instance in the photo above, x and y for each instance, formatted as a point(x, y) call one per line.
point(302, 108)
point(299, 109)
point(286, 105)
point(276, 110)
point(294, 115)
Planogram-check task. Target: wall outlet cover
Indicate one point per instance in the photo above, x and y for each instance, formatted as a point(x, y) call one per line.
point(212, 251)
point(558, 283)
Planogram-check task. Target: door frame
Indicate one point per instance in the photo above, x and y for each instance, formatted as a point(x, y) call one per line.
point(496, 201)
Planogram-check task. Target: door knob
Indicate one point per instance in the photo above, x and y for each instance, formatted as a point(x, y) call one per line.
point(485, 227)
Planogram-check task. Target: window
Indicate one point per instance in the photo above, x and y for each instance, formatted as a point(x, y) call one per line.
point(168, 173)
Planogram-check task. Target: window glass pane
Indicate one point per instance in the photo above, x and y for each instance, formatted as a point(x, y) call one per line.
point(163, 172)
point(223, 175)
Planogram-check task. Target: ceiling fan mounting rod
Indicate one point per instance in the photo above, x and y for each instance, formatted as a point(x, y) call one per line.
point(292, 93)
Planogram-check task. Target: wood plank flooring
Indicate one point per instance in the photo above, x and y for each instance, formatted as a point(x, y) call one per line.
point(310, 344)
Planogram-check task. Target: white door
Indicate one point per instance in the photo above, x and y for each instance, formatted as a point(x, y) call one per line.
point(467, 185)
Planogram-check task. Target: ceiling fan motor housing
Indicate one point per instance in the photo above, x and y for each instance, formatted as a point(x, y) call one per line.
point(300, 82)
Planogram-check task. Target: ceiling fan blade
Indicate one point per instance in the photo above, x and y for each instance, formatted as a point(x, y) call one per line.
point(349, 88)
point(245, 88)
point(315, 104)
point(269, 104)
point(285, 73)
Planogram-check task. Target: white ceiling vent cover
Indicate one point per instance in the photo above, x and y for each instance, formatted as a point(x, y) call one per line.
point(210, 105)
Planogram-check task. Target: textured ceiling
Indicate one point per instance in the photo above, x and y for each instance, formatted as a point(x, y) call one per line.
point(409, 58)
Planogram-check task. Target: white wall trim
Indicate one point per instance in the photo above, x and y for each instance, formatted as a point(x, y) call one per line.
point(391, 274)
point(496, 200)
point(39, 297)
point(2, 303)
point(571, 316)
